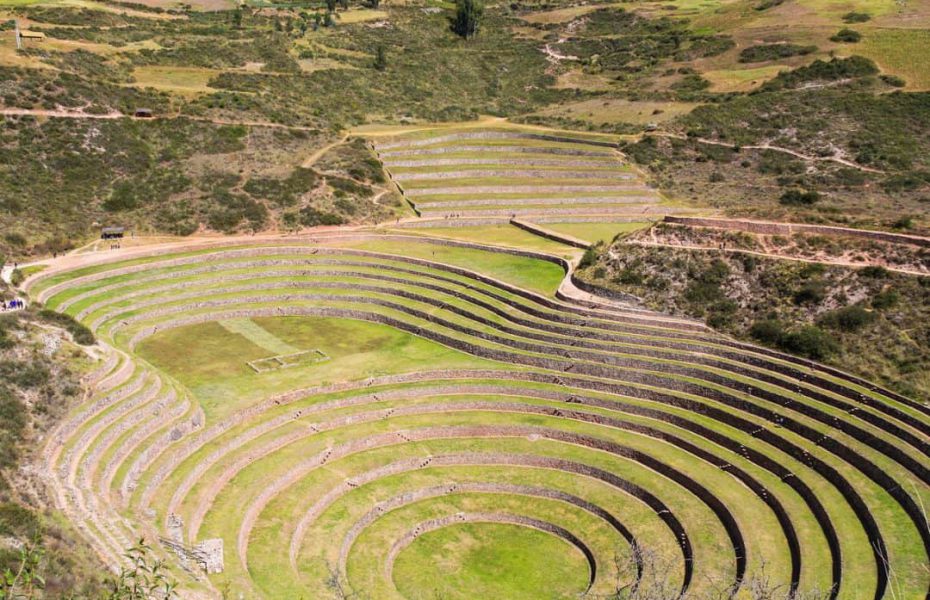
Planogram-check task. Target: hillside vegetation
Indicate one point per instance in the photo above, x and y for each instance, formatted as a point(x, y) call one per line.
point(867, 319)
point(243, 98)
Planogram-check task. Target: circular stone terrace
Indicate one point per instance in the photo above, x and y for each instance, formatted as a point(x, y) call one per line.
point(439, 417)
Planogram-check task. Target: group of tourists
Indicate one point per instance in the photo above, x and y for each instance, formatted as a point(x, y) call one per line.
point(14, 304)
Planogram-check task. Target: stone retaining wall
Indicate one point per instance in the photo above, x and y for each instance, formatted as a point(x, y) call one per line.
point(514, 173)
point(523, 189)
point(522, 149)
point(626, 199)
point(788, 229)
point(497, 160)
point(490, 135)
point(830, 444)
point(549, 234)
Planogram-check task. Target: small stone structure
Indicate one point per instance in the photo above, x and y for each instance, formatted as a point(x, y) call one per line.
point(207, 555)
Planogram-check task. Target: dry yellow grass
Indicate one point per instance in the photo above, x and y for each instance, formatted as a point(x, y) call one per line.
point(741, 80)
point(578, 79)
point(183, 80)
point(901, 52)
point(561, 15)
point(600, 111)
point(361, 15)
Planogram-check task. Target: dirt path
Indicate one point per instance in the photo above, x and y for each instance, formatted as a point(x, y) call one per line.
point(311, 160)
point(768, 254)
point(63, 113)
point(806, 157)
point(59, 113)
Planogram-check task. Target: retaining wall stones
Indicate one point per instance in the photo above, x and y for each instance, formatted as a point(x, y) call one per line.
point(384, 153)
point(524, 189)
point(545, 200)
point(492, 159)
point(787, 229)
point(550, 234)
point(490, 135)
point(512, 173)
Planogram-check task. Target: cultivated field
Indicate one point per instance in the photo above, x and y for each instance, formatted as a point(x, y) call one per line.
point(488, 173)
point(429, 420)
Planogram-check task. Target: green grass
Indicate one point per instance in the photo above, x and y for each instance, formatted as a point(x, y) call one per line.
point(742, 80)
point(183, 80)
point(490, 560)
point(901, 52)
point(259, 336)
point(529, 273)
point(595, 232)
point(498, 235)
point(214, 366)
point(600, 112)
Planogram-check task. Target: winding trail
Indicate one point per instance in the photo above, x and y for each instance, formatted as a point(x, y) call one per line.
point(795, 153)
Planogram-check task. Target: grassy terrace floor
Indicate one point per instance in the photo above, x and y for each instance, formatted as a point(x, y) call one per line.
point(498, 166)
point(462, 415)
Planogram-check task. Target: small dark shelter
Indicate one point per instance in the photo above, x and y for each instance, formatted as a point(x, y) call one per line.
point(112, 233)
point(143, 113)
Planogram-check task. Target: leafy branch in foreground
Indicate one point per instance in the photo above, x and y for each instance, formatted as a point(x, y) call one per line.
point(145, 579)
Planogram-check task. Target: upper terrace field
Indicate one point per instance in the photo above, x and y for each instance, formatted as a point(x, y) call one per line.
point(459, 417)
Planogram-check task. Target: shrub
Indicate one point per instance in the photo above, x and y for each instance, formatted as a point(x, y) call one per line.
point(873, 272)
point(904, 222)
point(796, 197)
point(893, 80)
point(766, 52)
point(885, 299)
point(810, 341)
point(588, 258)
point(312, 217)
point(856, 17)
point(834, 70)
point(630, 276)
point(768, 331)
point(848, 318)
point(767, 4)
point(812, 292)
point(846, 36)
point(81, 334)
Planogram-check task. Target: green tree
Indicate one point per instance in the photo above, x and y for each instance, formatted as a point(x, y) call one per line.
point(467, 17)
point(330, 5)
point(237, 18)
point(380, 59)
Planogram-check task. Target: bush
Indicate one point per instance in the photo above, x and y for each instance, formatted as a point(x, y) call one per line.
point(81, 334)
point(588, 258)
point(810, 341)
point(893, 80)
point(873, 272)
point(768, 331)
point(766, 52)
point(856, 17)
point(312, 217)
point(799, 197)
point(885, 299)
point(812, 292)
point(848, 318)
point(834, 70)
point(630, 276)
point(846, 36)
